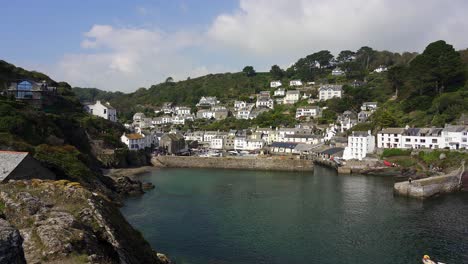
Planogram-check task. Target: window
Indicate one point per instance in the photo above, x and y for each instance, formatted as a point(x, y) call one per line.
point(105, 111)
point(434, 140)
point(423, 141)
point(408, 140)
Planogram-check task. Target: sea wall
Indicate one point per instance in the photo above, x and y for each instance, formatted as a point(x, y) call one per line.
point(233, 163)
point(428, 187)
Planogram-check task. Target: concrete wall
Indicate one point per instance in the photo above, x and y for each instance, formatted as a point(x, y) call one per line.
point(425, 188)
point(233, 163)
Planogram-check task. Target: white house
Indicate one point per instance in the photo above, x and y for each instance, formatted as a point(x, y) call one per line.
point(254, 144)
point(380, 69)
point(105, 111)
point(369, 106)
point(209, 135)
point(390, 138)
point(291, 97)
point(337, 72)
point(360, 144)
point(295, 83)
point(239, 104)
point(183, 110)
point(208, 101)
point(363, 116)
point(330, 91)
point(263, 101)
point(280, 92)
point(275, 84)
point(205, 114)
point(240, 143)
point(308, 111)
point(217, 142)
point(347, 120)
point(416, 138)
point(195, 136)
point(135, 141)
point(243, 113)
point(455, 137)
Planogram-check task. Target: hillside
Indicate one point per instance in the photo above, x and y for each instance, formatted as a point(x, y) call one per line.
point(82, 203)
point(429, 88)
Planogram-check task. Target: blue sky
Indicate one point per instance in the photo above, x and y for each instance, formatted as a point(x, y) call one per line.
point(124, 45)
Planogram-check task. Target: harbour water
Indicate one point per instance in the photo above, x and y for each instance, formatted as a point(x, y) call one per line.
point(248, 217)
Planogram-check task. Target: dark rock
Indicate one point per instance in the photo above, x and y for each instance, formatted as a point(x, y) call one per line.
point(127, 186)
point(147, 186)
point(11, 244)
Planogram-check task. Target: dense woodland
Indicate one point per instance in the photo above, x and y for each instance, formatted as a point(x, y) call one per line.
point(427, 89)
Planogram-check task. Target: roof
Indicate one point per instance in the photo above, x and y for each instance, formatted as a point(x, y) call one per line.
point(392, 130)
point(369, 103)
point(360, 133)
point(333, 87)
point(173, 136)
point(451, 128)
point(9, 160)
point(283, 145)
point(332, 151)
point(304, 147)
point(292, 92)
point(134, 136)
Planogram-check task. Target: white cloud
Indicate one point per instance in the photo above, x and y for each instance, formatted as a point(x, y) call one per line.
point(259, 33)
point(300, 27)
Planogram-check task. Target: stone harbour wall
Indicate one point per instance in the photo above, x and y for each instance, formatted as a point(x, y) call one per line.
point(428, 187)
point(276, 164)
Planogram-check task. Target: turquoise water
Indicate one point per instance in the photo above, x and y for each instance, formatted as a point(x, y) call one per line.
point(233, 217)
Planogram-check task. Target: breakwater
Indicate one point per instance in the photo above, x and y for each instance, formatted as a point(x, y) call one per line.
point(275, 164)
point(428, 187)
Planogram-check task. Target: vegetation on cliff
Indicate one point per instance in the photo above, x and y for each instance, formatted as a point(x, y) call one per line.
point(422, 90)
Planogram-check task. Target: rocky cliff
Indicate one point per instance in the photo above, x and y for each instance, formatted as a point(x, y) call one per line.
point(62, 222)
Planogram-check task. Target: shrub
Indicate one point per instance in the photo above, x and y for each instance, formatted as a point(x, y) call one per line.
point(395, 152)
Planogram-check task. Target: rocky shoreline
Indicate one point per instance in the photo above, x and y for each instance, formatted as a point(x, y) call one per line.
point(126, 182)
point(63, 222)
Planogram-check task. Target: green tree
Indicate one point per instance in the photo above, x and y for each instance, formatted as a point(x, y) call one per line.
point(249, 71)
point(169, 80)
point(345, 55)
point(276, 72)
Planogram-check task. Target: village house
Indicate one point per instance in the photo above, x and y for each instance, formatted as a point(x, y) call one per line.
point(308, 111)
point(347, 120)
point(292, 97)
point(183, 111)
point(297, 138)
point(451, 136)
point(369, 106)
point(280, 92)
point(390, 137)
point(243, 113)
point(22, 166)
point(239, 104)
point(275, 84)
point(135, 141)
point(137, 117)
point(360, 143)
point(282, 147)
point(207, 101)
point(295, 83)
point(337, 72)
point(380, 69)
point(36, 94)
point(416, 138)
point(172, 143)
point(455, 136)
point(257, 111)
point(208, 135)
point(228, 142)
point(194, 136)
point(264, 102)
point(105, 111)
point(363, 116)
point(217, 142)
point(167, 108)
point(330, 91)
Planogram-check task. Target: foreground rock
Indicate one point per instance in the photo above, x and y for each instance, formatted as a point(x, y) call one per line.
point(11, 249)
point(61, 222)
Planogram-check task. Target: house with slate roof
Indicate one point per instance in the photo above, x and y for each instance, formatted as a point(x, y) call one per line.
point(22, 166)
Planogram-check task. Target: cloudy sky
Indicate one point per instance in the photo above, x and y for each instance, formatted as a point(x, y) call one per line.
point(124, 45)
